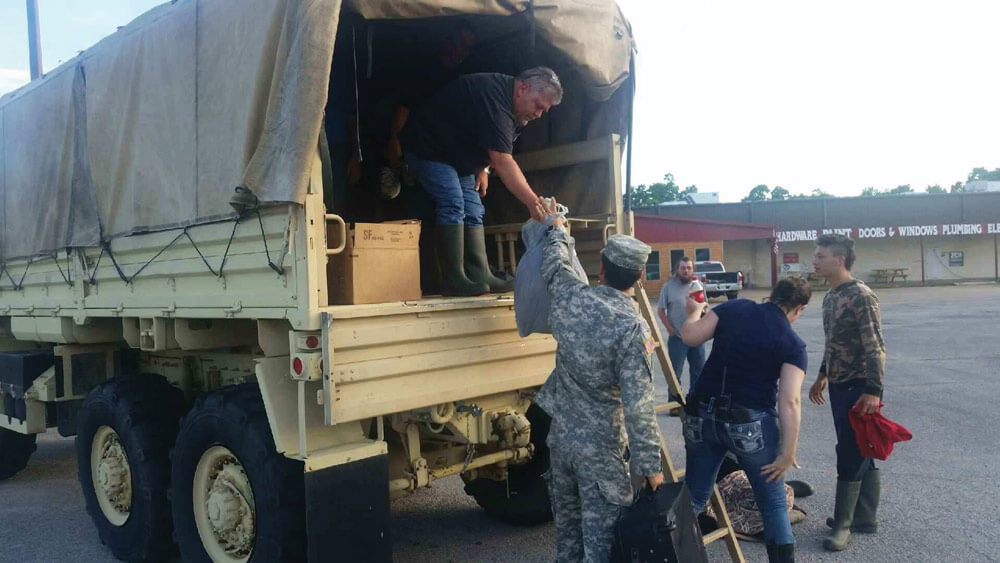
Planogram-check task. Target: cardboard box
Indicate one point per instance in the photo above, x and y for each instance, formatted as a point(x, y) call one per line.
point(380, 264)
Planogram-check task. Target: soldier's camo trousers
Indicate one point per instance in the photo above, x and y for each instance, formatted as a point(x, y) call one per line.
point(585, 518)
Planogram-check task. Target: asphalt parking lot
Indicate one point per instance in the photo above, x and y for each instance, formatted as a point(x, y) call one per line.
point(940, 493)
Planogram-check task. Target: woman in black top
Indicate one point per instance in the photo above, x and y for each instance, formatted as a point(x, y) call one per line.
point(746, 401)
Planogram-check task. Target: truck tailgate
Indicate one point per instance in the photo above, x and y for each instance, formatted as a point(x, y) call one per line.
point(721, 277)
point(399, 356)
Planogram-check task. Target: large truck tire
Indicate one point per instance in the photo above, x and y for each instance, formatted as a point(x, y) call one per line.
point(235, 498)
point(523, 499)
point(730, 295)
point(125, 429)
point(15, 450)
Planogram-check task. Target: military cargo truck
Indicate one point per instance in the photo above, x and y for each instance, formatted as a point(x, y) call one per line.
point(183, 331)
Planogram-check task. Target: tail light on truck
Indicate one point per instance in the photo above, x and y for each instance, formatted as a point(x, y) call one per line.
point(306, 359)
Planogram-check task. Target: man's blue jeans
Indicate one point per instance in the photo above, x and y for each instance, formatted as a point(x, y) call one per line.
point(679, 351)
point(755, 444)
point(455, 197)
point(851, 465)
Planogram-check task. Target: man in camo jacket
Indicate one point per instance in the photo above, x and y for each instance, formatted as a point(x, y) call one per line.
point(602, 386)
point(854, 366)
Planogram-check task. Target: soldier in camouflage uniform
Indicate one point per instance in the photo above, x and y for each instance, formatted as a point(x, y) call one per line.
point(602, 386)
point(854, 366)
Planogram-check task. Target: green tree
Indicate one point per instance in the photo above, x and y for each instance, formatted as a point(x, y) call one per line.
point(655, 194)
point(984, 174)
point(816, 192)
point(758, 193)
point(872, 191)
point(779, 193)
point(935, 189)
point(957, 187)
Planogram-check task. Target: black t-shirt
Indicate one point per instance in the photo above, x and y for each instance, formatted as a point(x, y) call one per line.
point(466, 118)
point(752, 341)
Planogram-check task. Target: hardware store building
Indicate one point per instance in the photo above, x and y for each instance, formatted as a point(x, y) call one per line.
point(907, 239)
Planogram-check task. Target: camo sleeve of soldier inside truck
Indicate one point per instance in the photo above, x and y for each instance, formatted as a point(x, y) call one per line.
point(855, 348)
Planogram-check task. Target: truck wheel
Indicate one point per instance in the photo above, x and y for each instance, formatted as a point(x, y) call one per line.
point(524, 498)
point(15, 449)
point(125, 428)
point(235, 498)
point(732, 295)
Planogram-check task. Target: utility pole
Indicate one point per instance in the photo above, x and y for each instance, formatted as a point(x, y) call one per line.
point(34, 40)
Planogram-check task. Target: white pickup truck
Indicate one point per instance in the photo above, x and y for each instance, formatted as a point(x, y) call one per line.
point(717, 280)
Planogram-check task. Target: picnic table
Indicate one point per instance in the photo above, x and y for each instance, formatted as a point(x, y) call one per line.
point(889, 275)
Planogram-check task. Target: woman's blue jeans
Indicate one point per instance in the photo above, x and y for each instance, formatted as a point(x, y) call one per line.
point(755, 444)
point(456, 200)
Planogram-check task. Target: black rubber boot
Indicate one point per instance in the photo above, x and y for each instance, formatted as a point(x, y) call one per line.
point(450, 251)
point(843, 515)
point(784, 553)
point(865, 515)
point(477, 267)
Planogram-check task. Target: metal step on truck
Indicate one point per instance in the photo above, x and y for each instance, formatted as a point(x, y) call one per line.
point(223, 403)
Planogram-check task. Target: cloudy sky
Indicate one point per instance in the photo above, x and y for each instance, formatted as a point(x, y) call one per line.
point(731, 94)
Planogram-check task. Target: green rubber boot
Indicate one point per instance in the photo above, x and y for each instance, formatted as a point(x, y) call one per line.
point(843, 515)
point(451, 251)
point(866, 513)
point(476, 264)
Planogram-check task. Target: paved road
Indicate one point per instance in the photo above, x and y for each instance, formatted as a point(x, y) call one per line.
point(941, 495)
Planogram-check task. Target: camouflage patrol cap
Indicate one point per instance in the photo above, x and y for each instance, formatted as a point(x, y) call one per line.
point(626, 252)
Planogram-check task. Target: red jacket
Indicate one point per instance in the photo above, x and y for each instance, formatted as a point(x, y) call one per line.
point(876, 434)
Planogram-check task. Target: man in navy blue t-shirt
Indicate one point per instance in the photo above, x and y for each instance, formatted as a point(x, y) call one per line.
point(747, 401)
